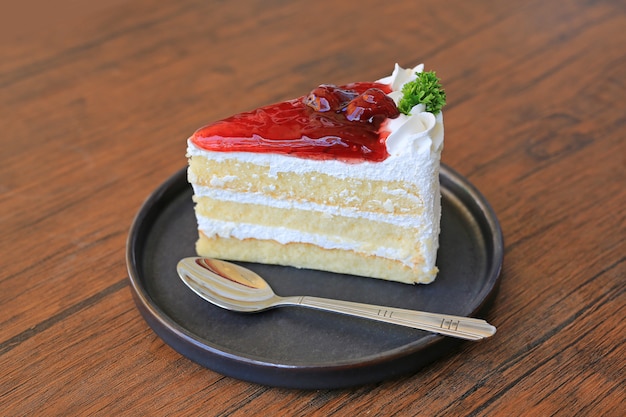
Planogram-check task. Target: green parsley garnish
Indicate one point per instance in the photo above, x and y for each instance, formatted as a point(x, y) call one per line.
point(425, 89)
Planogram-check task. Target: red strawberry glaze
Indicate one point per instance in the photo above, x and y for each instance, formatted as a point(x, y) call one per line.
point(330, 123)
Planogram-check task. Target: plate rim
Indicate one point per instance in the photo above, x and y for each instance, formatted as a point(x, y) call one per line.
point(317, 376)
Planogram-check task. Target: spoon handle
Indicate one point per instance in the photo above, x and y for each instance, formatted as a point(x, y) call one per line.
point(445, 324)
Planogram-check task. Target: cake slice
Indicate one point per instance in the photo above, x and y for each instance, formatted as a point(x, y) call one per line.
point(344, 179)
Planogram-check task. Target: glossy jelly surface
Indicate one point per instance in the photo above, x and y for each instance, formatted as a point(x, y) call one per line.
point(332, 122)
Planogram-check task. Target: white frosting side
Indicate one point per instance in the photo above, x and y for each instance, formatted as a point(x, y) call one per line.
point(414, 145)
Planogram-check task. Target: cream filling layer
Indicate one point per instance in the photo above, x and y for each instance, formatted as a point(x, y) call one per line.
point(282, 235)
point(263, 200)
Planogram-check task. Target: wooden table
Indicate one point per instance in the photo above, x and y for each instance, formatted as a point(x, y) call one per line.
point(97, 100)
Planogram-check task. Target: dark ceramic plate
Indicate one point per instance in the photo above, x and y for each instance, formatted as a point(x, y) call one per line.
point(301, 348)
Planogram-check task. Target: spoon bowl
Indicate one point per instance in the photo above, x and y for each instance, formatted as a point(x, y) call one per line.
point(236, 288)
point(226, 284)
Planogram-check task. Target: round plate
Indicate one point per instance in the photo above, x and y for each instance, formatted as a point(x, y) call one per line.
point(302, 348)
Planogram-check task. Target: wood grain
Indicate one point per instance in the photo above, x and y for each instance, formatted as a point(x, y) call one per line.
point(96, 102)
